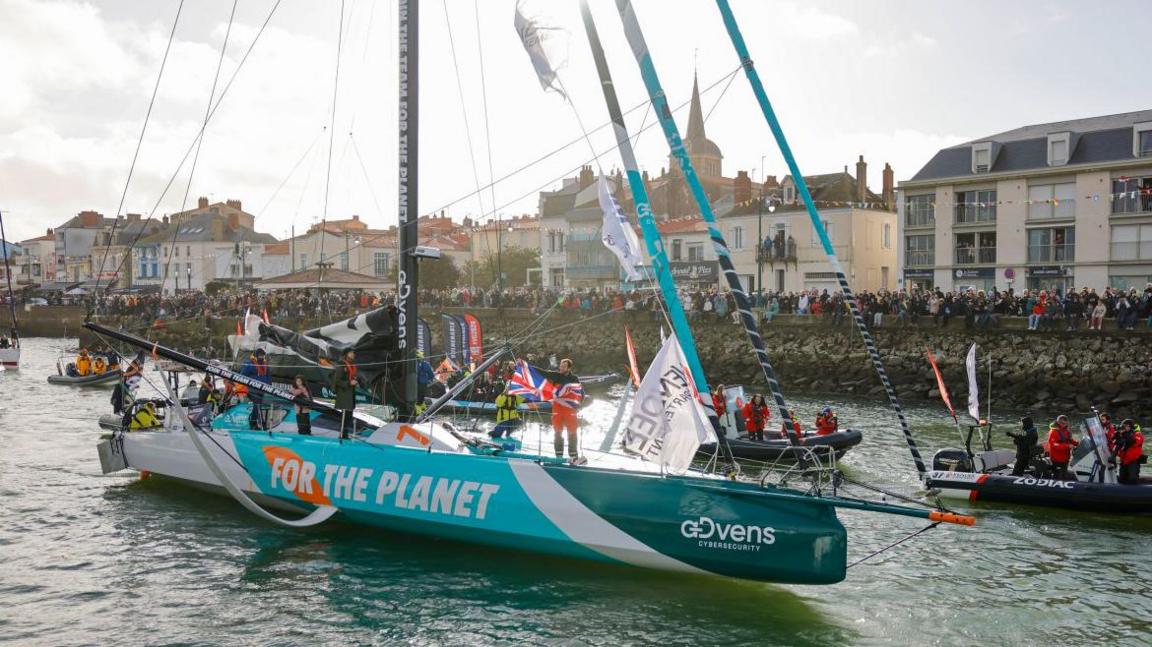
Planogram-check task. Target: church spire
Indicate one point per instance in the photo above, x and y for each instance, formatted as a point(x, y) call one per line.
point(695, 114)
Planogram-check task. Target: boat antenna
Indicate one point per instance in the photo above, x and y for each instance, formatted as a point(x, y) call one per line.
point(8, 274)
point(663, 112)
point(817, 224)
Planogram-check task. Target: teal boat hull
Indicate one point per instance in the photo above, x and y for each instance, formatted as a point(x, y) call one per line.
point(687, 524)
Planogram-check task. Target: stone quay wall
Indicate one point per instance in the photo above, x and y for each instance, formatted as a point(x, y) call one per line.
point(1041, 371)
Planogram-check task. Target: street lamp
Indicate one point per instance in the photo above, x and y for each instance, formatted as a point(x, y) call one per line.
point(188, 268)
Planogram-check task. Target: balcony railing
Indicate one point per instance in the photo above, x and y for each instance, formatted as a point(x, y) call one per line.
point(1051, 253)
point(1132, 251)
point(967, 214)
point(1059, 209)
point(972, 256)
point(913, 219)
point(920, 258)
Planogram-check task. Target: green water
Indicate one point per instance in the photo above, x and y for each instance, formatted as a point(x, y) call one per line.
point(93, 559)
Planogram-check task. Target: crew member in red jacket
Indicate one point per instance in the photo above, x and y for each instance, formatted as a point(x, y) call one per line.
point(756, 417)
point(826, 422)
point(1060, 444)
point(720, 404)
point(565, 421)
point(1129, 452)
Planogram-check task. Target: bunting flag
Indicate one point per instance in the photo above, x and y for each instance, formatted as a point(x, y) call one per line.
point(940, 383)
point(632, 368)
point(475, 338)
point(464, 356)
point(617, 234)
point(545, 47)
point(452, 341)
point(423, 337)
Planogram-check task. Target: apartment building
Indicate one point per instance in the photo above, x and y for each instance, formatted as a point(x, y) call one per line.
point(1048, 206)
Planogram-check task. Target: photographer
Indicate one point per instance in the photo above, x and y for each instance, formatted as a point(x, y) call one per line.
point(1025, 441)
point(1129, 452)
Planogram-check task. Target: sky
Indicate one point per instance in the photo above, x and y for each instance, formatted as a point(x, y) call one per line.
point(296, 141)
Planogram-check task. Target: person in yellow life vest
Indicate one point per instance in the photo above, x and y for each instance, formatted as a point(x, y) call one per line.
point(99, 366)
point(145, 417)
point(507, 413)
point(84, 363)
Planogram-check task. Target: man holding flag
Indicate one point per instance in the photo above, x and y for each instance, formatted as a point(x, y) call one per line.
point(563, 389)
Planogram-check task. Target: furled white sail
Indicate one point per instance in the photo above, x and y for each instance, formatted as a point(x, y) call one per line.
point(668, 422)
point(973, 387)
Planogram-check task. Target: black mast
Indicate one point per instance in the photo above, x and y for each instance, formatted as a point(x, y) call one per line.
point(8, 273)
point(409, 140)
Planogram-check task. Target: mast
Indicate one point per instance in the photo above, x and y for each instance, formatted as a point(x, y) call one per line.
point(8, 274)
point(408, 211)
point(672, 134)
point(644, 210)
point(802, 186)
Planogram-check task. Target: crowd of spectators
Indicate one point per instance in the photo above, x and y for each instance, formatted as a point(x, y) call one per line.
point(1045, 310)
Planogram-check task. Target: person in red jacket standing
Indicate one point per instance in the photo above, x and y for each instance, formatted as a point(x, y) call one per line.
point(826, 422)
point(564, 410)
point(1060, 444)
point(1129, 452)
point(756, 417)
point(720, 404)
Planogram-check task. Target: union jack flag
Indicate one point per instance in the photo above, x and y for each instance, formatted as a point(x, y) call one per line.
point(529, 383)
point(570, 395)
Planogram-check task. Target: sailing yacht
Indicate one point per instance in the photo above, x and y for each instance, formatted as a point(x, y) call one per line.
point(417, 475)
point(10, 349)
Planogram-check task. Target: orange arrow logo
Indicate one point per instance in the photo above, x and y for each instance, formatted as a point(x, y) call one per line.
point(310, 490)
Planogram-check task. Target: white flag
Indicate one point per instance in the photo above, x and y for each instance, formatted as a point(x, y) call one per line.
point(973, 388)
point(668, 422)
point(617, 235)
point(545, 46)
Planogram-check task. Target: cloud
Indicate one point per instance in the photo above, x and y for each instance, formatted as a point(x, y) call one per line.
point(810, 22)
point(905, 45)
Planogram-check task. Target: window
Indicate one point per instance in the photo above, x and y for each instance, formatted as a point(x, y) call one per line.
point(737, 235)
point(1132, 242)
point(920, 210)
point(380, 263)
point(1052, 201)
point(675, 249)
point(188, 251)
point(177, 250)
point(816, 235)
point(973, 248)
point(975, 206)
point(1132, 195)
point(696, 251)
point(981, 159)
point(304, 261)
point(920, 250)
point(1144, 143)
point(1058, 152)
point(886, 237)
point(552, 242)
point(344, 261)
point(789, 194)
point(1052, 245)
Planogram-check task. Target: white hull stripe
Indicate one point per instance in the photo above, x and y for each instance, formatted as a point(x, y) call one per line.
point(584, 526)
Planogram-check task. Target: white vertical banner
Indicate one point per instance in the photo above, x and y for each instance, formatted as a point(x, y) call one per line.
point(973, 387)
point(668, 421)
point(617, 234)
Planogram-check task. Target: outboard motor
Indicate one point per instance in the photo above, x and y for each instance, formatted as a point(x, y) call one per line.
point(951, 459)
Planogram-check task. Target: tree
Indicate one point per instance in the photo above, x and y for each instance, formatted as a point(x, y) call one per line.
point(514, 262)
point(439, 273)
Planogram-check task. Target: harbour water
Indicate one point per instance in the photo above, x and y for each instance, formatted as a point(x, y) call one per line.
point(93, 559)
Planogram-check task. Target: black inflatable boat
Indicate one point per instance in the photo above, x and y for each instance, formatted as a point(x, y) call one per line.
point(781, 450)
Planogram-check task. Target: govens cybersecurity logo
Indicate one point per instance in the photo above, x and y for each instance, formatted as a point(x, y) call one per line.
point(727, 536)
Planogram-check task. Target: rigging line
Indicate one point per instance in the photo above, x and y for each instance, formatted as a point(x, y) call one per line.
point(720, 98)
point(463, 108)
point(367, 178)
point(331, 139)
point(172, 178)
point(140, 140)
point(292, 172)
point(307, 183)
point(7, 251)
point(580, 139)
point(484, 96)
point(196, 156)
point(893, 545)
point(562, 175)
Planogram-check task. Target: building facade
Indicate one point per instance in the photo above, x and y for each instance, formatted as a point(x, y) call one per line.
point(1049, 206)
